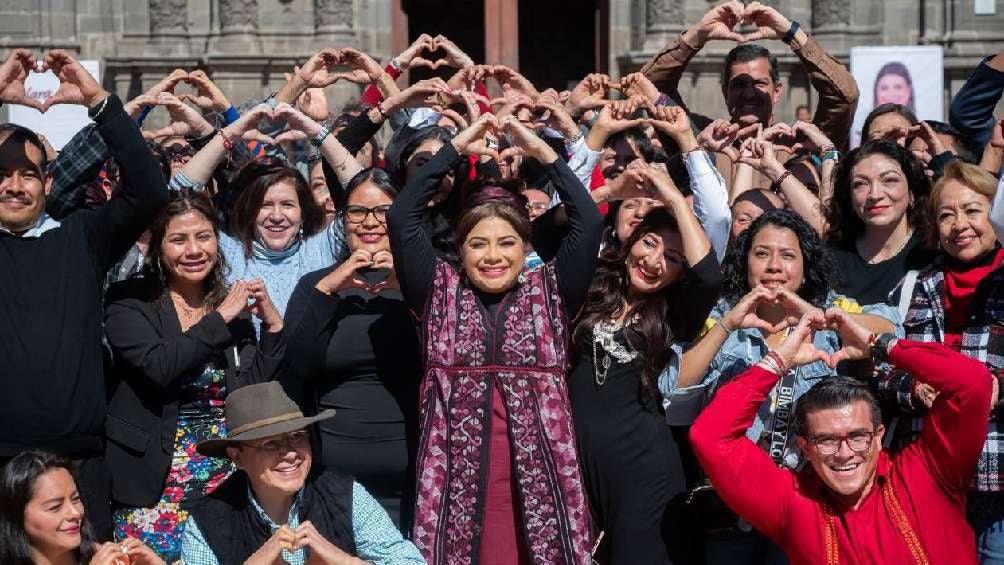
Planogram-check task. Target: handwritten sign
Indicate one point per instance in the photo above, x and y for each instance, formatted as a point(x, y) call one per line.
point(62, 121)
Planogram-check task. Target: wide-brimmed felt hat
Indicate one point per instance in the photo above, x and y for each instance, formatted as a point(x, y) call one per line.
point(257, 411)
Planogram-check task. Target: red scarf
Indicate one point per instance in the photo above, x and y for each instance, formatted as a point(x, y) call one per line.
point(961, 280)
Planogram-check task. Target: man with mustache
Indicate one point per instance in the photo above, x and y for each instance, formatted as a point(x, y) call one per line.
point(856, 503)
point(51, 363)
point(751, 82)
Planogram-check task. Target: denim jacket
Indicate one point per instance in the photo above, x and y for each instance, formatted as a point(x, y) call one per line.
point(742, 350)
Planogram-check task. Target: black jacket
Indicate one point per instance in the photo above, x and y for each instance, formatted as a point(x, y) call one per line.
point(153, 359)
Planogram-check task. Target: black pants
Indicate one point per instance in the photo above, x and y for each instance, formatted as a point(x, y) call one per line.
point(94, 483)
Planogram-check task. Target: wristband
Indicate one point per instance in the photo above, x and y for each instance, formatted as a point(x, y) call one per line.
point(790, 36)
point(271, 101)
point(228, 144)
point(143, 114)
point(728, 330)
point(230, 115)
point(831, 155)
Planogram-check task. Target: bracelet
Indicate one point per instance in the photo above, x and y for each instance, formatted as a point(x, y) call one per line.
point(781, 363)
point(775, 186)
point(397, 65)
point(228, 143)
point(728, 330)
point(830, 153)
point(318, 139)
point(101, 108)
point(880, 347)
point(790, 36)
point(271, 101)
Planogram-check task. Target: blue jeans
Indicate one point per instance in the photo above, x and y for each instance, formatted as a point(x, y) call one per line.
point(986, 515)
point(752, 548)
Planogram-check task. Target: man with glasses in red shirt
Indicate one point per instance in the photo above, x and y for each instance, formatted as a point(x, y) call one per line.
point(855, 502)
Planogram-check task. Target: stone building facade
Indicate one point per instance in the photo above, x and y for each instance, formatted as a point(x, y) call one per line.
point(247, 45)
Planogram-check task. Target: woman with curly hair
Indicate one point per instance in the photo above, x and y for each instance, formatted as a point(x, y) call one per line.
point(877, 218)
point(649, 293)
point(777, 271)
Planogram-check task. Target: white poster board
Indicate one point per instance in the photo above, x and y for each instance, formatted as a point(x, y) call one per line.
point(62, 121)
point(912, 76)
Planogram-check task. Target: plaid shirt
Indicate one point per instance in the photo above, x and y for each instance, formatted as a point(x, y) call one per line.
point(77, 164)
point(983, 339)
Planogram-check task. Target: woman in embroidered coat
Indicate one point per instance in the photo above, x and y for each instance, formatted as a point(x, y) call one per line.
point(499, 479)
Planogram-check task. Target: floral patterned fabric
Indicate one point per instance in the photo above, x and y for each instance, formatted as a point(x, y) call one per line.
point(522, 353)
point(192, 476)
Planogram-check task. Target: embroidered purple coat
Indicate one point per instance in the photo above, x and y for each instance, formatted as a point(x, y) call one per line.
point(523, 353)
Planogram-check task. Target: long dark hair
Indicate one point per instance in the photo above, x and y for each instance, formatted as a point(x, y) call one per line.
point(657, 326)
point(817, 265)
point(182, 202)
point(845, 225)
point(253, 181)
point(17, 487)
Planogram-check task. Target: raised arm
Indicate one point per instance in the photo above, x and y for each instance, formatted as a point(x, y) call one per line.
point(666, 69)
point(997, 209)
point(956, 425)
point(576, 257)
point(972, 110)
point(120, 222)
point(760, 155)
point(199, 169)
point(743, 474)
point(414, 255)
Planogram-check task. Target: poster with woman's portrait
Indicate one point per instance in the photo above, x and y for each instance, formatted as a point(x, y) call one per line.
point(911, 76)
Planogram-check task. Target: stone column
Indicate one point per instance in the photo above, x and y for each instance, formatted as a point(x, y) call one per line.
point(502, 33)
point(334, 23)
point(663, 20)
point(238, 28)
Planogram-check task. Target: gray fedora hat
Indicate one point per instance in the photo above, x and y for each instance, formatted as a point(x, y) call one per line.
point(257, 411)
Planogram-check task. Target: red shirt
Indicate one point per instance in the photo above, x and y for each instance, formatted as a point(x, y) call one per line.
point(930, 478)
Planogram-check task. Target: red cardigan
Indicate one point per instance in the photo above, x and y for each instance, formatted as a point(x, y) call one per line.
point(930, 478)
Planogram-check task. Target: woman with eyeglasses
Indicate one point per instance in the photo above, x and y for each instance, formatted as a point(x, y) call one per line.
point(277, 230)
point(181, 339)
point(353, 347)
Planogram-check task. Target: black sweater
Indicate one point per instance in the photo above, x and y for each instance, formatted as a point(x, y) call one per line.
point(50, 305)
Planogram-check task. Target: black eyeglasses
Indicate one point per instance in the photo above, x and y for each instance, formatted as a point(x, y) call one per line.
point(859, 442)
point(357, 214)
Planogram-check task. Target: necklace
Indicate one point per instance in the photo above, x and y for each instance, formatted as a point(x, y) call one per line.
point(603, 336)
point(187, 312)
point(902, 245)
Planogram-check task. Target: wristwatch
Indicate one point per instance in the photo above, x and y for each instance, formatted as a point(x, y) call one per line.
point(790, 36)
point(318, 139)
point(881, 347)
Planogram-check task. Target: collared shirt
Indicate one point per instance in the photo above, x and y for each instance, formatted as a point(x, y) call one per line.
point(44, 224)
point(78, 163)
point(927, 481)
point(377, 539)
point(743, 349)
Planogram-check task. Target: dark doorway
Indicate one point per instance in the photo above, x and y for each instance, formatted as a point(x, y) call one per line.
point(463, 21)
point(558, 41)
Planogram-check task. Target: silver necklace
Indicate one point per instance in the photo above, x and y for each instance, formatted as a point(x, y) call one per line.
point(603, 336)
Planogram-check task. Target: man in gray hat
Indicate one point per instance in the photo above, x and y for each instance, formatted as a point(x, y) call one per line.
point(276, 507)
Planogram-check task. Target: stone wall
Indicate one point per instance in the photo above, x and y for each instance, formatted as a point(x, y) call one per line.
point(246, 45)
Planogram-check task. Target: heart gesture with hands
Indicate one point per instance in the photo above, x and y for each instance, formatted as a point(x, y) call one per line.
point(744, 313)
point(296, 120)
point(410, 56)
point(721, 135)
point(512, 81)
point(662, 184)
point(455, 56)
point(795, 307)
point(208, 97)
point(322, 551)
point(589, 94)
point(853, 337)
point(674, 122)
point(262, 307)
point(475, 139)
point(632, 183)
point(345, 276)
point(270, 553)
point(721, 22)
point(246, 127)
point(808, 137)
point(168, 83)
point(185, 121)
point(798, 347)
point(76, 85)
point(527, 140)
point(423, 93)
point(762, 156)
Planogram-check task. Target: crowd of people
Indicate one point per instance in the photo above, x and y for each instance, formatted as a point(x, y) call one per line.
point(574, 327)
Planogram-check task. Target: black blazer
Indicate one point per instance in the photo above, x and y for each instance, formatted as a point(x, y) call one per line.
point(152, 360)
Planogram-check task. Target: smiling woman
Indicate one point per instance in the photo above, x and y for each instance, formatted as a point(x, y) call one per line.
point(878, 218)
point(181, 340)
